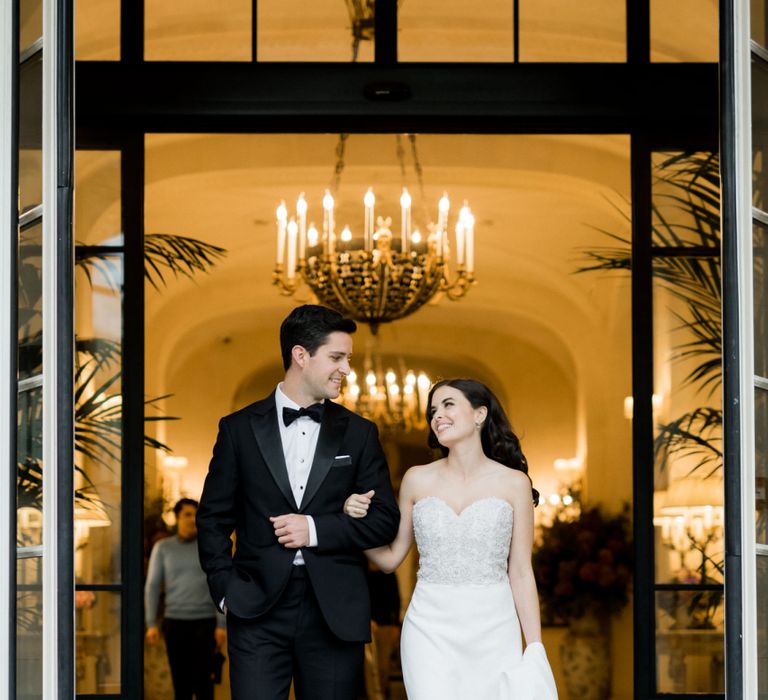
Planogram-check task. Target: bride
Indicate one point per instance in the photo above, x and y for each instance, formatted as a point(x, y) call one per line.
point(461, 637)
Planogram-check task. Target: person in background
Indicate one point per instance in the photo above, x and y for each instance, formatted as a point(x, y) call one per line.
point(192, 626)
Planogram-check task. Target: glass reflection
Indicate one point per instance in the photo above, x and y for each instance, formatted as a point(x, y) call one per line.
point(29, 468)
point(98, 419)
point(98, 214)
point(30, 302)
point(760, 290)
point(97, 642)
point(564, 31)
point(690, 653)
point(761, 465)
point(30, 133)
point(199, 30)
point(429, 30)
point(29, 629)
point(30, 22)
point(762, 627)
point(759, 133)
point(97, 30)
point(315, 30)
point(684, 31)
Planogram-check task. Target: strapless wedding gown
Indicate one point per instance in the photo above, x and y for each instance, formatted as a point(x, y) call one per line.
point(461, 638)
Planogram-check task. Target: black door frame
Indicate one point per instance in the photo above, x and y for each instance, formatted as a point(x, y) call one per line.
point(660, 106)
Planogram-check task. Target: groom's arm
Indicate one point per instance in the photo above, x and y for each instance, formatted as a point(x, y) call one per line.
point(216, 514)
point(338, 531)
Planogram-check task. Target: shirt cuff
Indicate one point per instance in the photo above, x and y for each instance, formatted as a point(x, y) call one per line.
point(312, 531)
point(221, 606)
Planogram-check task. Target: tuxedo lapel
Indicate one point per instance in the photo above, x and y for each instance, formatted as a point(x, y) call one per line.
point(267, 433)
point(328, 442)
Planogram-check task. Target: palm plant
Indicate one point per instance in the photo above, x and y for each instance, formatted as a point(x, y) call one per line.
point(98, 403)
point(686, 214)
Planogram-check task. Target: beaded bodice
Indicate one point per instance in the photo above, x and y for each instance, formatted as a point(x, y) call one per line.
point(471, 547)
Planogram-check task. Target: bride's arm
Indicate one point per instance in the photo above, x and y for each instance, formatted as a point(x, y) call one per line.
point(521, 577)
point(390, 556)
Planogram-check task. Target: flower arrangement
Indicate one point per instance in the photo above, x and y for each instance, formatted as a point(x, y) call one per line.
point(583, 565)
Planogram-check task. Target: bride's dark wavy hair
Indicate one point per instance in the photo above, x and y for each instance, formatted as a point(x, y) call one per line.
point(497, 437)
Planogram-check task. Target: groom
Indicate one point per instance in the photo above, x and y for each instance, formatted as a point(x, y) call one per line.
point(295, 590)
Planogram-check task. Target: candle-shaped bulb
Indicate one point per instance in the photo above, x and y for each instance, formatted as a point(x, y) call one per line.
point(469, 222)
point(352, 377)
point(405, 199)
point(370, 199)
point(408, 389)
point(394, 389)
point(370, 378)
point(313, 236)
point(390, 377)
point(410, 378)
point(444, 204)
point(464, 213)
point(423, 381)
point(301, 205)
point(282, 213)
point(328, 201)
point(416, 236)
point(354, 390)
point(346, 235)
point(293, 228)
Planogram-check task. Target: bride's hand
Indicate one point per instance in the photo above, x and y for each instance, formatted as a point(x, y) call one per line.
point(357, 504)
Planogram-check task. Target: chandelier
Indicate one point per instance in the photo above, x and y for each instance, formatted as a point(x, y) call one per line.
point(373, 273)
point(395, 400)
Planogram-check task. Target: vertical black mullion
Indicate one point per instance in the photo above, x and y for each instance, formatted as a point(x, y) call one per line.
point(516, 31)
point(385, 32)
point(132, 623)
point(65, 351)
point(638, 31)
point(731, 321)
point(254, 30)
point(642, 422)
point(132, 31)
point(13, 227)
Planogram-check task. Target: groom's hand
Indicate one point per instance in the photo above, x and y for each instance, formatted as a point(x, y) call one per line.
point(292, 530)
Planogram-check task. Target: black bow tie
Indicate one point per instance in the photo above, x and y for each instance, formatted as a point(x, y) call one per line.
point(315, 412)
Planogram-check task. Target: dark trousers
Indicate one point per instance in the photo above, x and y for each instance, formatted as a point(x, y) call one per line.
point(292, 640)
point(191, 646)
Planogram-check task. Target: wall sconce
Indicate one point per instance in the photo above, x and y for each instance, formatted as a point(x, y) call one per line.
point(657, 400)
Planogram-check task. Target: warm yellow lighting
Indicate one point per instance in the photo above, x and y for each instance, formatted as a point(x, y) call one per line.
point(352, 377)
point(416, 236)
point(312, 235)
point(390, 377)
point(657, 401)
point(346, 235)
point(175, 462)
point(370, 199)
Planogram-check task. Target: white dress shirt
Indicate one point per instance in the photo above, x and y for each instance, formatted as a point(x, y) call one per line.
point(299, 440)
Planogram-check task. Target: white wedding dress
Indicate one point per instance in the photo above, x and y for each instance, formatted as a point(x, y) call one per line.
point(461, 638)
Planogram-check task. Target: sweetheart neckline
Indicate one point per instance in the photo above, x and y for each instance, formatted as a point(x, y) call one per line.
point(467, 507)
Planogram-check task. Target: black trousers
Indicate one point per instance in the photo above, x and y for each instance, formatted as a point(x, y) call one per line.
point(191, 646)
point(292, 640)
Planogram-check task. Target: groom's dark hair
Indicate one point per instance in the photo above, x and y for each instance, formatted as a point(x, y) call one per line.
point(309, 326)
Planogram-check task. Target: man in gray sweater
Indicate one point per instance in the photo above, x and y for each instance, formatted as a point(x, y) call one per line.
point(192, 626)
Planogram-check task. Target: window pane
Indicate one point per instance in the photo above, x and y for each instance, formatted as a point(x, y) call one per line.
point(430, 30)
point(98, 218)
point(31, 133)
point(30, 310)
point(762, 627)
point(29, 473)
point(29, 629)
point(684, 30)
point(761, 465)
point(758, 18)
point(760, 282)
point(315, 30)
point(688, 417)
point(199, 30)
point(689, 642)
point(97, 30)
point(98, 420)
point(686, 199)
point(561, 30)
point(30, 22)
point(97, 642)
point(759, 134)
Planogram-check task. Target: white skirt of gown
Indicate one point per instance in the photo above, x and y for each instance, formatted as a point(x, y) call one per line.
point(461, 640)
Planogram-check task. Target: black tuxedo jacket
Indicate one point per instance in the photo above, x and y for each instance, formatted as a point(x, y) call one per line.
point(247, 482)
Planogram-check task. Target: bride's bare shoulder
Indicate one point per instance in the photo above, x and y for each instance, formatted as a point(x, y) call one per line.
point(421, 473)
